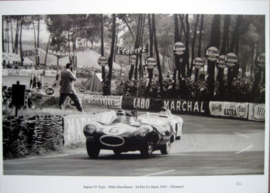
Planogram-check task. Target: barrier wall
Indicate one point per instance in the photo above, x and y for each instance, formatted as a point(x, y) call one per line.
point(74, 124)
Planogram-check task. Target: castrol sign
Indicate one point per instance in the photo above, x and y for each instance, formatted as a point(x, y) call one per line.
point(198, 63)
point(150, 63)
point(221, 62)
point(231, 59)
point(179, 48)
point(261, 60)
point(102, 61)
point(212, 53)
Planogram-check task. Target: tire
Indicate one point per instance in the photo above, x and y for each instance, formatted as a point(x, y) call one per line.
point(117, 152)
point(147, 149)
point(165, 149)
point(92, 151)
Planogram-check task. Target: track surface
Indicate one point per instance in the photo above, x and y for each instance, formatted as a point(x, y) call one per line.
point(209, 146)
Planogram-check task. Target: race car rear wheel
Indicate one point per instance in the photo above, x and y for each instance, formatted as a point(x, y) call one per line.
point(165, 149)
point(91, 150)
point(147, 149)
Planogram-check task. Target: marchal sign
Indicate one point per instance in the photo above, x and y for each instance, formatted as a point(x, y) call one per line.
point(198, 63)
point(102, 61)
point(150, 63)
point(179, 48)
point(212, 53)
point(261, 60)
point(231, 59)
point(221, 62)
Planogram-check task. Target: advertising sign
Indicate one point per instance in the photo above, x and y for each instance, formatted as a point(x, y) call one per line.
point(82, 89)
point(261, 61)
point(212, 53)
point(231, 59)
point(74, 124)
point(179, 48)
point(256, 112)
point(104, 101)
point(150, 63)
point(186, 106)
point(11, 57)
point(228, 109)
point(102, 61)
point(221, 62)
point(123, 51)
point(61, 53)
point(198, 63)
point(33, 52)
point(49, 91)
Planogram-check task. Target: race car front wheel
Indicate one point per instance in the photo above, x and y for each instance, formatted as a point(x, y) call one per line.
point(147, 149)
point(165, 149)
point(91, 150)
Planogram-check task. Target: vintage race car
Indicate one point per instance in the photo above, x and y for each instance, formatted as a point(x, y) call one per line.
point(164, 117)
point(128, 133)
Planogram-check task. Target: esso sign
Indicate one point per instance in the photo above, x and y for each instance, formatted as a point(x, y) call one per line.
point(133, 59)
point(261, 60)
point(49, 91)
point(150, 63)
point(102, 61)
point(198, 63)
point(179, 48)
point(231, 59)
point(221, 62)
point(82, 89)
point(212, 53)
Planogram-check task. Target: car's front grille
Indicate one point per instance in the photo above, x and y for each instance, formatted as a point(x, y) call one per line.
point(112, 141)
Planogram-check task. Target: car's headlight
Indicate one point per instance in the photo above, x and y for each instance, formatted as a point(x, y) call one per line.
point(89, 129)
point(141, 132)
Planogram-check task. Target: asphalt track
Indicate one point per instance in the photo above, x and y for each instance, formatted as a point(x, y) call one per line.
point(209, 146)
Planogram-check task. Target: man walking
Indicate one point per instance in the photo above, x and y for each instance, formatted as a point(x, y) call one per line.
point(67, 88)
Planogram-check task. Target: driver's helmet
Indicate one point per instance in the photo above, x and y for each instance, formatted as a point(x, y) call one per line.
point(164, 108)
point(121, 112)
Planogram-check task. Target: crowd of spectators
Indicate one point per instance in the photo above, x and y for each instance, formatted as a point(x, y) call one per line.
point(240, 90)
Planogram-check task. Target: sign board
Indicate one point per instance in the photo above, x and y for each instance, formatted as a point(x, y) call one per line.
point(49, 91)
point(133, 59)
point(212, 53)
point(221, 62)
point(150, 63)
point(261, 60)
point(82, 89)
point(179, 48)
point(231, 59)
point(18, 95)
point(124, 51)
point(11, 57)
point(198, 63)
point(102, 61)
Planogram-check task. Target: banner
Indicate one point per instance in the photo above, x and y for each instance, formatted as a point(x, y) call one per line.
point(103, 101)
point(61, 53)
point(187, 106)
point(33, 52)
point(148, 104)
point(11, 57)
point(256, 112)
point(123, 51)
point(228, 109)
point(74, 124)
point(23, 72)
point(50, 72)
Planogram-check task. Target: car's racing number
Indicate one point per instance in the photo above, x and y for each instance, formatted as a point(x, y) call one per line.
point(114, 131)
